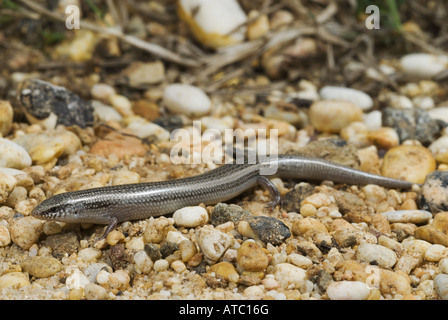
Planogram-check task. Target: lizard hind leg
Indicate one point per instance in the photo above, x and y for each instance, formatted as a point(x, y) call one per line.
point(111, 226)
point(275, 195)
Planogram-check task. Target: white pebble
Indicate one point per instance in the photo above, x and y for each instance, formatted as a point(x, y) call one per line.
point(178, 266)
point(424, 102)
point(422, 65)
point(190, 217)
point(443, 265)
point(289, 276)
point(383, 256)
point(408, 216)
point(436, 252)
point(186, 99)
point(145, 130)
point(361, 99)
point(441, 285)
point(105, 113)
point(76, 280)
point(95, 292)
point(175, 237)
point(300, 261)
point(348, 290)
point(161, 265)
point(213, 243)
point(102, 91)
point(373, 120)
point(440, 113)
point(89, 254)
point(143, 262)
point(5, 237)
point(102, 277)
point(13, 155)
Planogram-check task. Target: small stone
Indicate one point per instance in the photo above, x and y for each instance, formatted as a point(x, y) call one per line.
point(114, 237)
point(43, 101)
point(41, 267)
point(146, 109)
point(186, 99)
point(384, 138)
point(251, 257)
point(226, 270)
point(269, 229)
point(143, 262)
point(259, 27)
point(212, 243)
point(357, 97)
point(14, 280)
point(190, 217)
point(175, 237)
point(408, 216)
point(289, 276)
point(351, 237)
point(333, 115)
point(441, 285)
point(13, 155)
point(7, 185)
point(118, 145)
point(443, 265)
point(373, 253)
point(440, 222)
point(423, 65)
point(93, 269)
point(300, 261)
point(5, 237)
point(348, 290)
point(393, 283)
point(6, 117)
point(161, 265)
point(178, 266)
point(105, 113)
point(62, 244)
point(95, 292)
point(119, 279)
point(168, 248)
point(141, 74)
point(76, 280)
point(122, 105)
point(187, 249)
point(145, 130)
point(436, 252)
point(153, 251)
point(214, 23)
point(89, 254)
point(305, 225)
point(434, 192)
point(102, 91)
point(223, 213)
point(409, 163)
point(411, 124)
point(26, 231)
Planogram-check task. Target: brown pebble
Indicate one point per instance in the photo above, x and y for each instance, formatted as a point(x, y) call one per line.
point(251, 257)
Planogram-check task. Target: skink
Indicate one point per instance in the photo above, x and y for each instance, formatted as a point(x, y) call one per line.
point(114, 204)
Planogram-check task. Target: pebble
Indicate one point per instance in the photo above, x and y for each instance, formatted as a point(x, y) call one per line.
point(142, 74)
point(251, 257)
point(26, 231)
point(434, 195)
point(7, 185)
point(299, 260)
point(436, 252)
point(76, 280)
point(6, 117)
point(41, 267)
point(269, 229)
point(212, 243)
point(5, 237)
point(156, 230)
point(411, 124)
point(50, 145)
point(226, 270)
point(259, 27)
point(441, 285)
point(190, 217)
point(408, 216)
point(303, 226)
point(423, 65)
point(289, 276)
point(384, 138)
point(408, 162)
point(214, 23)
point(118, 145)
point(440, 222)
point(105, 113)
point(146, 109)
point(144, 130)
point(178, 266)
point(119, 279)
point(89, 254)
point(14, 280)
point(439, 113)
point(63, 243)
point(102, 91)
point(13, 155)
point(333, 115)
point(443, 265)
point(187, 250)
point(351, 237)
point(223, 213)
point(122, 105)
point(384, 257)
point(93, 269)
point(186, 99)
point(161, 265)
point(49, 105)
point(95, 292)
point(357, 97)
point(348, 290)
